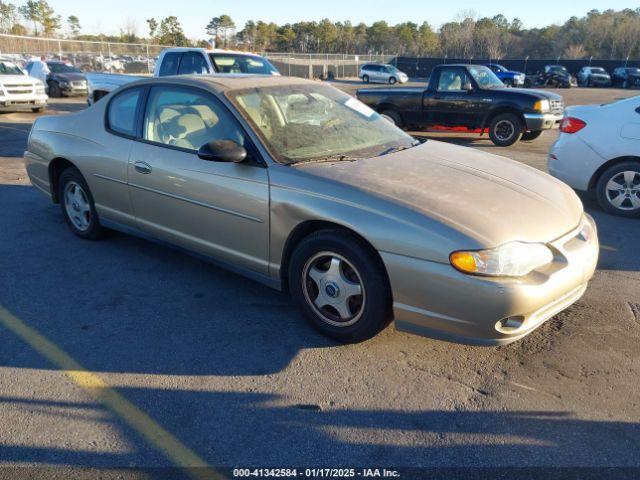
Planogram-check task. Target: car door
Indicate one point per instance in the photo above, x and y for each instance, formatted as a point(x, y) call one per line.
point(448, 106)
point(218, 209)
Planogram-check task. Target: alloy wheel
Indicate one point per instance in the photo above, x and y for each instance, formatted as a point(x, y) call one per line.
point(333, 288)
point(504, 130)
point(76, 204)
point(623, 190)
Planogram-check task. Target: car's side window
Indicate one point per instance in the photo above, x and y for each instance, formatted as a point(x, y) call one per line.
point(188, 119)
point(452, 79)
point(121, 117)
point(193, 63)
point(169, 64)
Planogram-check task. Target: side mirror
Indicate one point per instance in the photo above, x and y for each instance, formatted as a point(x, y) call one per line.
point(467, 87)
point(222, 151)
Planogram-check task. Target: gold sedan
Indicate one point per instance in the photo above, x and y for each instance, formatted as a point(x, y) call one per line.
point(301, 186)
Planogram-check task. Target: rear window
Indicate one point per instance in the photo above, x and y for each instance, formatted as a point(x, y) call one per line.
point(169, 64)
point(122, 112)
point(238, 63)
point(193, 63)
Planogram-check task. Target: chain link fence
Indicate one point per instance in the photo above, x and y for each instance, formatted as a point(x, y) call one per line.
point(320, 65)
point(89, 56)
point(140, 58)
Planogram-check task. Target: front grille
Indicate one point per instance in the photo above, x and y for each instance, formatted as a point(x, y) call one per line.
point(18, 89)
point(79, 84)
point(557, 106)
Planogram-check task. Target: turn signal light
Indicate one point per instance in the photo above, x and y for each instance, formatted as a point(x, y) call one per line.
point(572, 125)
point(464, 261)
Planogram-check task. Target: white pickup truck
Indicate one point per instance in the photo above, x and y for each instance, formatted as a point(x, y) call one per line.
point(185, 61)
point(18, 91)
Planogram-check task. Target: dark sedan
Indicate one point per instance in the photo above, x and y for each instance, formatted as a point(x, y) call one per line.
point(626, 77)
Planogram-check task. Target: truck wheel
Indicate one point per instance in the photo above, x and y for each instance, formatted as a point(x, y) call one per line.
point(392, 80)
point(530, 136)
point(340, 285)
point(505, 129)
point(618, 189)
point(393, 116)
point(508, 82)
point(365, 78)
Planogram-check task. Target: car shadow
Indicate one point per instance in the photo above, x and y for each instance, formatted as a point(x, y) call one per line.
point(253, 429)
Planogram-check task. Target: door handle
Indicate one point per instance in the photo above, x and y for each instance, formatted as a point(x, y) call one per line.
point(142, 167)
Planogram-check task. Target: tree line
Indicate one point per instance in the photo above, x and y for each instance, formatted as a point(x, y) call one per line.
point(605, 34)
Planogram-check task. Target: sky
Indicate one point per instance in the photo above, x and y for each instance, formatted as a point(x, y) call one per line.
point(110, 15)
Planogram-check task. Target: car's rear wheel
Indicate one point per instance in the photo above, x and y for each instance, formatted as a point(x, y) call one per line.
point(393, 116)
point(393, 81)
point(618, 189)
point(78, 206)
point(365, 78)
point(530, 136)
point(340, 285)
point(38, 110)
point(625, 84)
point(505, 129)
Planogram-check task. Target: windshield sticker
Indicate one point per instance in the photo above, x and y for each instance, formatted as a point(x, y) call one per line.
point(359, 107)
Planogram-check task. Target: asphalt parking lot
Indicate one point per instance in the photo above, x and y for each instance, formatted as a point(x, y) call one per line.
point(169, 361)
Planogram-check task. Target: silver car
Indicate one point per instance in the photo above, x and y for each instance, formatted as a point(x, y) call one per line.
point(300, 186)
point(376, 73)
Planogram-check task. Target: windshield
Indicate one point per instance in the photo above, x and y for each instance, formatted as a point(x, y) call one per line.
point(485, 78)
point(499, 68)
point(238, 63)
point(300, 123)
point(597, 70)
point(62, 68)
point(557, 69)
point(633, 70)
point(7, 68)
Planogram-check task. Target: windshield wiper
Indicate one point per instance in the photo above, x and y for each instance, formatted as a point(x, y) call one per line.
point(330, 158)
point(399, 148)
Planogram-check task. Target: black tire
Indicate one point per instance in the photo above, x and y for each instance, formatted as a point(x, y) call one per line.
point(508, 82)
point(38, 109)
point(588, 84)
point(530, 136)
point(372, 308)
point(528, 83)
point(393, 81)
point(625, 84)
point(365, 78)
point(69, 177)
point(393, 116)
point(54, 90)
point(498, 129)
point(606, 197)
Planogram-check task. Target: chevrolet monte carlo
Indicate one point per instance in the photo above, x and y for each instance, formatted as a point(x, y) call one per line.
point(301, 186)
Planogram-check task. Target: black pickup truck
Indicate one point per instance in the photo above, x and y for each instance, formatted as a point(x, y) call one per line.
point(469, 98)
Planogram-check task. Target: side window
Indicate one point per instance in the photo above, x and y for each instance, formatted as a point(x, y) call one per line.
point(169, 64)
point(452, 79)
point(121, 117)
point(187, 119)
point(193, 63)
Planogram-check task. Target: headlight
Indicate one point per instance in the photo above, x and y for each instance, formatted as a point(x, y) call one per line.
point(513, 259)
point(542, 106)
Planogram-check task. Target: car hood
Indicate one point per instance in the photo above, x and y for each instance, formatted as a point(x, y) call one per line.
point(533, 93)
point(69, 77)
point(13, 79)
point(489, 198)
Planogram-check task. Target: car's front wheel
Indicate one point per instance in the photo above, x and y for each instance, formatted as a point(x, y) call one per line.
point(505, 129)
point(393, 116)
point(393, 81)
point(54, 90)
point(365, 78)
point(618, 189)
point(340, 285)
point(77, 205)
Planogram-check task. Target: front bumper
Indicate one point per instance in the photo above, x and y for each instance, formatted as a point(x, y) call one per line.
point(542, 121)
point(19, 102)
point(435, 300)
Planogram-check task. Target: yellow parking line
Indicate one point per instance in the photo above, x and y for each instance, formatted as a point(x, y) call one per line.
point(161, 439)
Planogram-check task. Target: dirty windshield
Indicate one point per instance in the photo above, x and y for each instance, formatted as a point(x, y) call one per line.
point(301, 123)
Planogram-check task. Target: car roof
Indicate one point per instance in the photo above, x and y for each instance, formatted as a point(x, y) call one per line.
point(209, 50)
point(223, 83)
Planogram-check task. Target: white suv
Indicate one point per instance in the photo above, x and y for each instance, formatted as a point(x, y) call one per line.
point(382, 74)
point(19, 91)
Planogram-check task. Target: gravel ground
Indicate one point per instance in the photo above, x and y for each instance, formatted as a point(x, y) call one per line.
point(230, 368)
